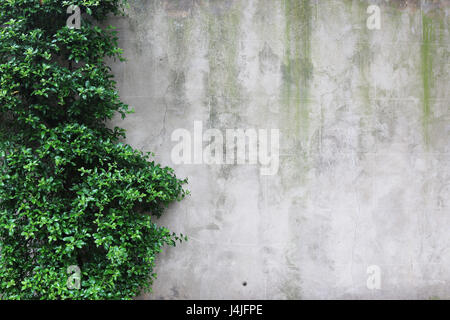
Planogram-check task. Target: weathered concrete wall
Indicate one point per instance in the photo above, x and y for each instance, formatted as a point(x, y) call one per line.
point(364, 120)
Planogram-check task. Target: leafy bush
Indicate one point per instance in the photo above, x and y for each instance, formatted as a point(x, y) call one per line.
point(71, 194)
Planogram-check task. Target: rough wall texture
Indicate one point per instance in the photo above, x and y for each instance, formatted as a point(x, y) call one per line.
point(364, 160)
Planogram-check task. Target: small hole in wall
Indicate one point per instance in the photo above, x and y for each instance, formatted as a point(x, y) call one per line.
point(244, 283)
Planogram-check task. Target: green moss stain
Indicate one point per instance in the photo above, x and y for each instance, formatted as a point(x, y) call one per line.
point(426, 70)
point(180, 30)
point(441, 32)
point(364, 57)
point(223, 90)
point(179, 33)
point(297, 64)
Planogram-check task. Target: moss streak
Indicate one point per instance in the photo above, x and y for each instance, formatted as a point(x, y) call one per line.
point(297, 70)
point(426, 70)
point(223, 89)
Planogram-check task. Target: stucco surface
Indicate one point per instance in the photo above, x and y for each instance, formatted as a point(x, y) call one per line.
point(364, 147)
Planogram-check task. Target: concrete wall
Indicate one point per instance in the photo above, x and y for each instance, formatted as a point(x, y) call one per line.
point(364, 158)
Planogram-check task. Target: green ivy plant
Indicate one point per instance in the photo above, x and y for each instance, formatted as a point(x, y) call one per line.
point(72, 195)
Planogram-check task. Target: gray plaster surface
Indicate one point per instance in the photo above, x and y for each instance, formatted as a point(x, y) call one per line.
point(359, 207)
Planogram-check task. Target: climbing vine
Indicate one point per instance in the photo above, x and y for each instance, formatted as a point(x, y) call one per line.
point(73, 198)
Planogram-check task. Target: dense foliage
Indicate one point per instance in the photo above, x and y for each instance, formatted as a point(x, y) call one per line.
point(71, 194)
